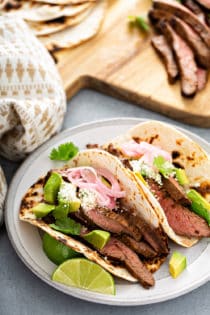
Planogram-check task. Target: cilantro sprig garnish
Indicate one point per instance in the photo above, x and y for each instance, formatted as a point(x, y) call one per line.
point(140, 22)
point(67, 226)
point(64, 152)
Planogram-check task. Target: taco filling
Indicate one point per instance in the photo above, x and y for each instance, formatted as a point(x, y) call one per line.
point(82, 202)
point(187, 211)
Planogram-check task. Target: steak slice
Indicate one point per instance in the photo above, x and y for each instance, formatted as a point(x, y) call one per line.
point(175, 190)
point(183, 221)
point(204, 3)
point(129, 229)
point(115, 249)
point(166, 53)
point(202, 52)
point(96, 217)
point(195, 8)
point(202, 75)
point(110, 221)
point(154, 237)
point(141, 248)
point(156, 15)
point(183, 13)
point(184, 58)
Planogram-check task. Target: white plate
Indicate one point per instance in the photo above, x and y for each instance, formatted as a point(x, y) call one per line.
point(27, 242)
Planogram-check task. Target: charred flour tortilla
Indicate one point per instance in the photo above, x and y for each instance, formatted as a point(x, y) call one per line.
point(73, 36)
point(42, 29)
point(185, 154)
point(134, 201)
point(64, 2)
point(41, 12)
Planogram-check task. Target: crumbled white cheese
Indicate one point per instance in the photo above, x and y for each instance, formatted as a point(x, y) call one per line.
point(88, 198)
point(146, 170)
point(67, 192)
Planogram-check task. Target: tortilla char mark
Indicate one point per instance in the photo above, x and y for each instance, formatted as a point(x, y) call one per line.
point(10, 5)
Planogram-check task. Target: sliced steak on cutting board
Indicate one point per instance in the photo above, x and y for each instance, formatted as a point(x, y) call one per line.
point(202, 52)
point(166, 54)
point(185, 60)
point(195, 8)
point(204, 3)
point(183, 13)
point(202, 75)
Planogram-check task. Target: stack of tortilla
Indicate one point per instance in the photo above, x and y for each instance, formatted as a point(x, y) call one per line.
point(59, 23)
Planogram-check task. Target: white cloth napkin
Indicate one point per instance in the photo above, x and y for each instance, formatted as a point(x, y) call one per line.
point(32, 99)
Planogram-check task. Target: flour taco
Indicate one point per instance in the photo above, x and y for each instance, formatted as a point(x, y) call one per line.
point(94, 192)
point(174, 172)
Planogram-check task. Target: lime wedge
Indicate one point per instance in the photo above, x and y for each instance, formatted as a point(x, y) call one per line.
point(84, 274)
point(97, 238)
point(56, 251)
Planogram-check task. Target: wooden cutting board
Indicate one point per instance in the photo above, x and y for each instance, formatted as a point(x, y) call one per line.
point(120, 62)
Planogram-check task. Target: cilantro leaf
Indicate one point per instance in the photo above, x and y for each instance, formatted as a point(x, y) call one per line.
point(64, 152)
point(67, 226)
point(139, 21)
point(164, 167)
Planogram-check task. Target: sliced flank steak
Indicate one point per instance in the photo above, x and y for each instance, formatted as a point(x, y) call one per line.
point(164, 50)
point(140, 248)
point(152, 236)
point(185, 60)
point(182, 220)
point(96, 217)
point(175, 190)
point(200, 49)
point(204, 3)
point(202, 75)
point(125, 223)
point(183, 13)
point(202, 52)
point(115, 249)
point(195, 8)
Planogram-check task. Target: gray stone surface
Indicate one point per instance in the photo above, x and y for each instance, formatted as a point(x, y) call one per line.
point(22, 293)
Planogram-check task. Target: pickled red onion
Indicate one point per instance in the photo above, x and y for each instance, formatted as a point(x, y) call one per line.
point(88, 177)
point(145, 150)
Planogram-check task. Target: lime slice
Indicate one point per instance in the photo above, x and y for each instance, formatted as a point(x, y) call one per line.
point(84, 274)
point(97, 238)
point(56, 251)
